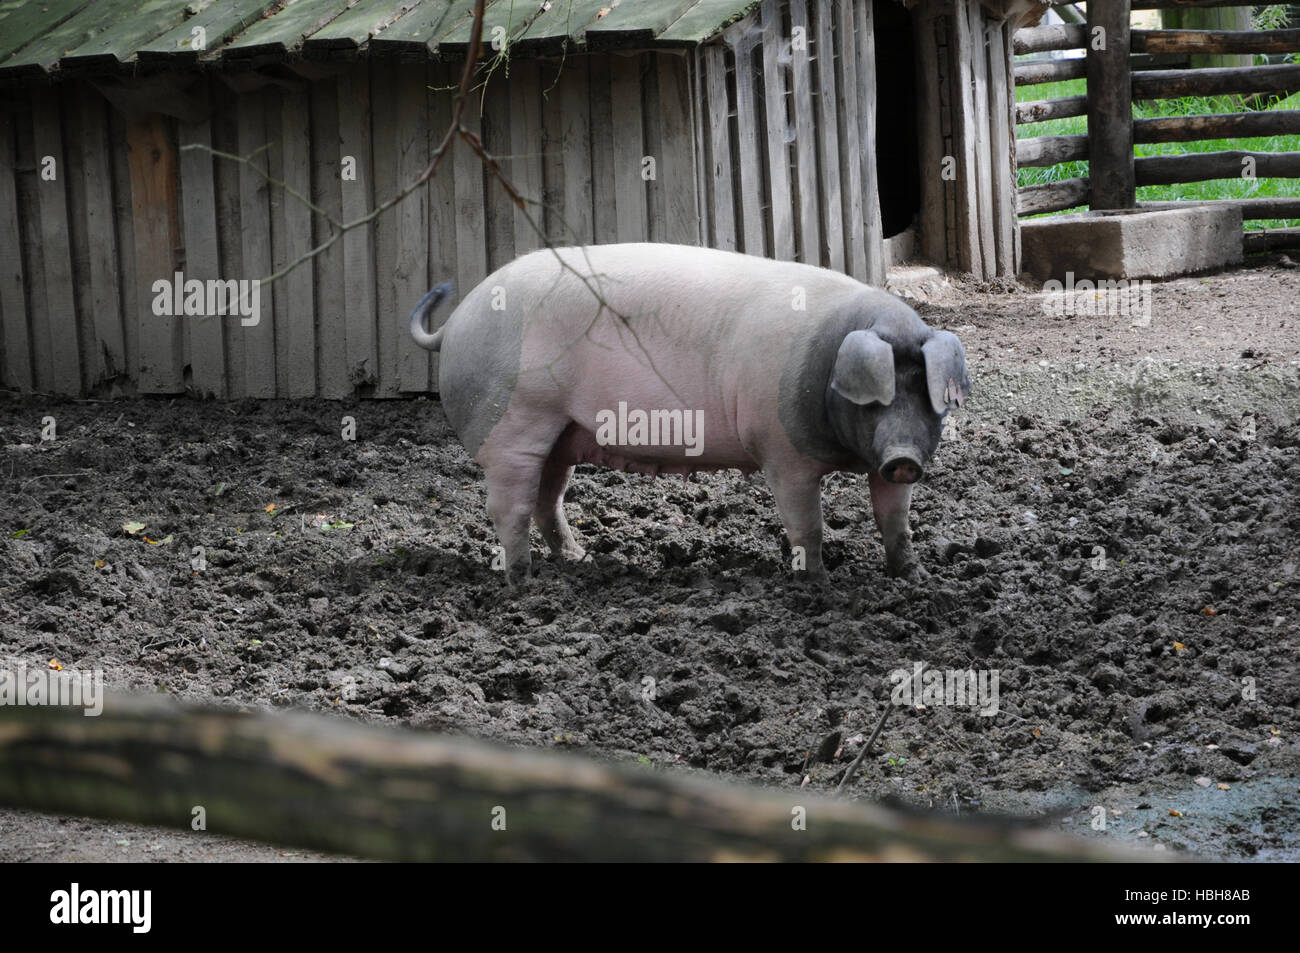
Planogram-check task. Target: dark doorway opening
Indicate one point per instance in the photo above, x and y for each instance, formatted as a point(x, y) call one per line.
point(897, 157)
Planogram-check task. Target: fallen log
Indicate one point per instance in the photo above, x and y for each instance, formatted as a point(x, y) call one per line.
point(335, 785)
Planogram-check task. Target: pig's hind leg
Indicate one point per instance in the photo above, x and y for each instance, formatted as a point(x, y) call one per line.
point(515, 456)
point(549, 512)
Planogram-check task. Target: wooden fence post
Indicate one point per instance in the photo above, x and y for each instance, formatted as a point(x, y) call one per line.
point(1110, 106)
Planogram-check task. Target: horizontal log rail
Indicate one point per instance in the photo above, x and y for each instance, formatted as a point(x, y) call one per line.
point(1251, 209)
point(1040, 151)
point(1048, 71)
point(1042, 110)
point(1281, 122)
point(1174, 83)
point(1184, 4)
point(1202, 166)
point(1044, 39)
point(1215, 41)
point(1052, 196)
point(1271, 240)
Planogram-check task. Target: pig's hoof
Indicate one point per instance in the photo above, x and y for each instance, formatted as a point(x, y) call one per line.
point(573, 554)
point(911, 571)
point(814, 577)
point(519, 576)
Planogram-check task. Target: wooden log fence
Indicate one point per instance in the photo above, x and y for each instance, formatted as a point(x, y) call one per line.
point(1133, 67)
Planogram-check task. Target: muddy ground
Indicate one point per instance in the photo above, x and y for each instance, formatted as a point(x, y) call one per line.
point(1114, 528)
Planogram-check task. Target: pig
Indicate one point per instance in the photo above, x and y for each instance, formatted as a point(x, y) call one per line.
point(787, 368)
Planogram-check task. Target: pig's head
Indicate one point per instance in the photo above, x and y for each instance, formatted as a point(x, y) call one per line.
point(890, 389)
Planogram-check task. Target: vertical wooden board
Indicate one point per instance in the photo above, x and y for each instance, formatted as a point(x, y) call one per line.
point(360, 349)
point(604, 192)
point(983, 154)
point(28, 183)
point(700, 135)
point(255, 235)
point(932, 220)
point(1001, 124)
point(199, 218)
point(805, 130)
point(753, 192)
point(124, 231)
point(573, 92)
point(720, 170)
point(230, 252)
point(411, 276)
point(525, 166)
point(277, 200)
point(828, 139)
point(630, 193)
point(496, 140)
point(950, 142)
point(153, 162)
point(778, 151)
point(867, 81)
point(13, 303)
point(677, 149)
point(552, 154)
point(78, 241)
point(471, 217)
point(1012, 178)
point(335, 376)
point(443, 227)
point(652, 131)
point(851, 142)
point(59, 322)
point(298, 286)
point(964, 136)
point(107, 351)
point(384, 119)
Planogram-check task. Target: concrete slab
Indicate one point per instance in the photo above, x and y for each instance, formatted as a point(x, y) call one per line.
point(1137, 243)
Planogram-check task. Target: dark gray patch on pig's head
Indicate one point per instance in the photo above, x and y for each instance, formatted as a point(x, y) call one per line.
point(835, 406)
point(896, 439)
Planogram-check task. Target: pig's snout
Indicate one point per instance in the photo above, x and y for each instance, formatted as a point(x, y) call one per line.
point(902, 465)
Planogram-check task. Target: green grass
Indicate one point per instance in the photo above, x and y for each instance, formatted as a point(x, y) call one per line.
point(1236, 188)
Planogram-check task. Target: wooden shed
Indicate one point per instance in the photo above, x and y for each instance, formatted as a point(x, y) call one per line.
point(847, 133)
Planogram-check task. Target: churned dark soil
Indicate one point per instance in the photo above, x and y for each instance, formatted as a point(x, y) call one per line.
point(1129, 570)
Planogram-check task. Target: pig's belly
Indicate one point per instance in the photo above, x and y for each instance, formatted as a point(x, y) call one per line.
point(593, 378)
point(578, 444)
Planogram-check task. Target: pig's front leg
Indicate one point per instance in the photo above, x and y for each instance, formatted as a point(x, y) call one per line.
point(549, 512)
point(799, 503)
point(890, 504)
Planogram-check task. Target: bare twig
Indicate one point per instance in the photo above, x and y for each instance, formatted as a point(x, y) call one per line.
point(853, 768)
point(338, 229)
point(455, 130)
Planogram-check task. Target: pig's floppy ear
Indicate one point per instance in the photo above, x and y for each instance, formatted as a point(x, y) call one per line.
point(945, 371)
point(864, 369)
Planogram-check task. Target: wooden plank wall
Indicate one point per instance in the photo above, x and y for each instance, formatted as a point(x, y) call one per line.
point(756, 143)
point(788, 103)
point(967, 219)
point(609, 141)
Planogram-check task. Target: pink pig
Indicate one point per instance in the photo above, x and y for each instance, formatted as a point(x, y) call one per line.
point(670, 359)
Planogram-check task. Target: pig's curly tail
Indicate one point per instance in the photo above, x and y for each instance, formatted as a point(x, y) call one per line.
point(420, 316)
